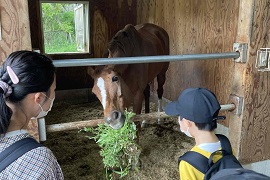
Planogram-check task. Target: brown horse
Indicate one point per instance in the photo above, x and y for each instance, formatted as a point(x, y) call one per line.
point(122, 85)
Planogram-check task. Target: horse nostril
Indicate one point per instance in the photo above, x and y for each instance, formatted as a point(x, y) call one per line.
point(115, 115)
point(115, 120)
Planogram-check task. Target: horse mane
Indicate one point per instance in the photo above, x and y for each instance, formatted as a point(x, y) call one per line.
point(126, 40)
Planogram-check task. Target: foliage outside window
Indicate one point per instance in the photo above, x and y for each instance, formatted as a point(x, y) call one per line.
point(65, 27)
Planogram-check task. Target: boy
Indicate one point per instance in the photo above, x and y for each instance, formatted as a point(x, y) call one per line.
point(198, 110)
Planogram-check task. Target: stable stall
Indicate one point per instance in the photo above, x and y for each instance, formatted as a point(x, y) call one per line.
point(194, 27)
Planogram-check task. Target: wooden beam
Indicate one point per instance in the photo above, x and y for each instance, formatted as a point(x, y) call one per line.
point(93, 123)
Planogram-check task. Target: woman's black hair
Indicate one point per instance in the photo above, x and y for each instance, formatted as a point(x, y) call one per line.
point(35, 73)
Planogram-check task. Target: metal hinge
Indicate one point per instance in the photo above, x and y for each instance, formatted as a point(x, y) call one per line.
point(242, 49)
point(238, 102)
point(263, 59)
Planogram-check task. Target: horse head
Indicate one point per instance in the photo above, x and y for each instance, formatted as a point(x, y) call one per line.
point(112, 91)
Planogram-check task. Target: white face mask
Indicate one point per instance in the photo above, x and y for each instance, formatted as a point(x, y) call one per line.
point(43, 113)
point(186, 132)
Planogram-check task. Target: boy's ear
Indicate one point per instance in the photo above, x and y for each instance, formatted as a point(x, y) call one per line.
point(189, 123)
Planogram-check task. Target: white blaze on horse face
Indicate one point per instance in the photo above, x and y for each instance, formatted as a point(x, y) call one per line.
point(101, 86)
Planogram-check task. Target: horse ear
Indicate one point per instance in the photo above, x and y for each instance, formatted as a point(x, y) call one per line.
point(110, 54)
point(110, 67)
point(91, 71)
point(131, 30)
point(134, 41)
point(130, 27)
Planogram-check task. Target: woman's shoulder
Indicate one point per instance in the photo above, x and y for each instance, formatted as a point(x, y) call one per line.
point(44, 162)
point(39, 162)
point(41, 152)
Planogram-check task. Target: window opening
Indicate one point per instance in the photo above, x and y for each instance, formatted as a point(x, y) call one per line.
point(65, 27)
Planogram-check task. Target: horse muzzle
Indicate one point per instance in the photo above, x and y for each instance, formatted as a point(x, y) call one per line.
point(116, 120)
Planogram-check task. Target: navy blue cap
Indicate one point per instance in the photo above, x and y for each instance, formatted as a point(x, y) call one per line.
point(196, 104)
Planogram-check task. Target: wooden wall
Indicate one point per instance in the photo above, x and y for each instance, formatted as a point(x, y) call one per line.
point(255, 137)
point(195, 26)
point(108, 17)
point(15, 27)
point(212, 26)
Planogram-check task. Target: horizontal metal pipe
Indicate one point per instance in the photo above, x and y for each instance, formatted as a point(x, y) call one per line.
point(141, 59)
point(93, 123)
point(227, 107)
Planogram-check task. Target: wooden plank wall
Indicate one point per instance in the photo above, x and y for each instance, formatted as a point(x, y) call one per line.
point(255, 138)
point(15, 27)
point(195, 26)
point(212, 26)
point(15, 36)
point(108, 17)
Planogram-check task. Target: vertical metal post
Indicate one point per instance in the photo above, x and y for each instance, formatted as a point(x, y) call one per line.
point(42, 129)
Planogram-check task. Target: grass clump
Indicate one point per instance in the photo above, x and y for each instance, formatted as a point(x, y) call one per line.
point(119, 149)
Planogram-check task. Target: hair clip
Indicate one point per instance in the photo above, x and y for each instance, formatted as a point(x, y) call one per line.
point(7, 90)
point(12, 75)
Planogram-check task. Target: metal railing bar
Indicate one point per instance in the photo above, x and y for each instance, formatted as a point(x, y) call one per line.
point(142, 59)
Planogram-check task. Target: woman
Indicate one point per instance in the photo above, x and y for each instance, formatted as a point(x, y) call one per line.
point(27, 91)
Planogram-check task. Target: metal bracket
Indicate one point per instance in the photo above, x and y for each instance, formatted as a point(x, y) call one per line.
point(238, 102)
point(263, 59)
point(0, 29)
point(242, 49)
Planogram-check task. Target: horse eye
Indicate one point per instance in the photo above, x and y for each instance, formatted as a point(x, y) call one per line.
point(114, 78)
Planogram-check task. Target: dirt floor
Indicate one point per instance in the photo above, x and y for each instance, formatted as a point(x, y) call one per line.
point(79, 156)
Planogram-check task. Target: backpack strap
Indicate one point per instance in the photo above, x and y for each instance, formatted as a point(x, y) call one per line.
point(16, 150)
point(225, 143)
point(197, 160)
point(226, 148)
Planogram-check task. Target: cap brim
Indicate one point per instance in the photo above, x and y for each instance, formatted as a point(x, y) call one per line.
point(171, 109)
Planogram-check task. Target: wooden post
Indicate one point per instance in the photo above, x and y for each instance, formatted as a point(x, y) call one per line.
point(255, 131)
point(243, 36)
point(249, 133)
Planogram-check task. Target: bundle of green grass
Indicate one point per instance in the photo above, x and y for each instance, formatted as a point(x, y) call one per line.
point(119, 149)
